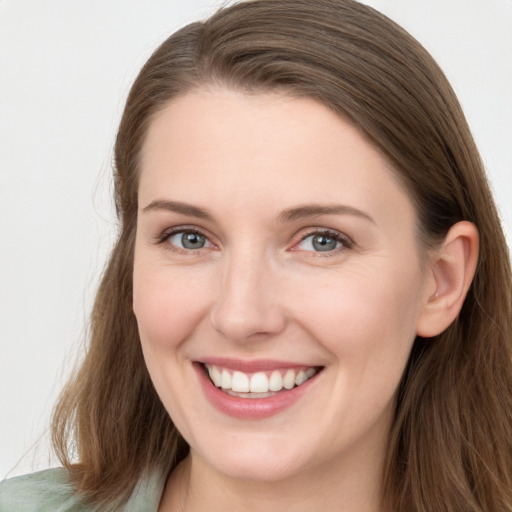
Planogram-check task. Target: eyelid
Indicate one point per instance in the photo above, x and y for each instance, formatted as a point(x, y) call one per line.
point(345, 240)
point(176, 230)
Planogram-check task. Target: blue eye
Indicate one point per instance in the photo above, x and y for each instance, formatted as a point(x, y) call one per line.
point(189, 240)
point(321, 242)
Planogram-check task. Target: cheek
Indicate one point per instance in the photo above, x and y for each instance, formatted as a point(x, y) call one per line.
point(352, 307)
point(368, 323)
point(369, 330)
point(168, 305)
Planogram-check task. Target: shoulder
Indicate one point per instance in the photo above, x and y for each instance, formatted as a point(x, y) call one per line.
point(44, 491)
point(51, 491)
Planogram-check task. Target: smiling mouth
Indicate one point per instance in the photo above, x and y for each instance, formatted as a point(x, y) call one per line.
point(262, 384)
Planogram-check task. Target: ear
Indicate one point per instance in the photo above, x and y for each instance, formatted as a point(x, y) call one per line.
point(452, 267)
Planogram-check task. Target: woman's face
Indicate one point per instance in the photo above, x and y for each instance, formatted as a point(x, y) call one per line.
point(274, 245)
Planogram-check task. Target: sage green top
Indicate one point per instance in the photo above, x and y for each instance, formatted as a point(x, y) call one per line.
point(50, 491)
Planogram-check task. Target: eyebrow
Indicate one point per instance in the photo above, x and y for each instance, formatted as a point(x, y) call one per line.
point(178, 207)
point(314, 210)
point(289, 215)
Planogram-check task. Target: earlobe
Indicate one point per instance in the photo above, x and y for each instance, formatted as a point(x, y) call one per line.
point(453, 267)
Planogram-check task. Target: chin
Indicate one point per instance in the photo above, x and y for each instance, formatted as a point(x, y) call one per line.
point(256, 460)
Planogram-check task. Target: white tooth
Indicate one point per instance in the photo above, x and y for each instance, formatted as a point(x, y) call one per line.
point(225, 382)
point(276, 381)
point(289, 379)
point(259, 383)
point(309, 373)
point(215, 375)
point(301, 377)
point(240, 382)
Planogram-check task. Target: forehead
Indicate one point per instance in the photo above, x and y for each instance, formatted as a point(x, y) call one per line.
point(261, 150)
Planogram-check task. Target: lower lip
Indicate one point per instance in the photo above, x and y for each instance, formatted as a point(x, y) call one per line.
point(250, 408)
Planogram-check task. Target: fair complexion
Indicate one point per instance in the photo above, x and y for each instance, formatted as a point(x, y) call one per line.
point(271, 233)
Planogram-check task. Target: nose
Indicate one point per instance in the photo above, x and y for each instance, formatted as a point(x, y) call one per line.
point(247, 306)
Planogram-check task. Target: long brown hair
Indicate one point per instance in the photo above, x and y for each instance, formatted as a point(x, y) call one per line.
point(451, 442)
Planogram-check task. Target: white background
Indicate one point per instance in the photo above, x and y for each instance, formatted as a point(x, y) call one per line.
point(65, 69)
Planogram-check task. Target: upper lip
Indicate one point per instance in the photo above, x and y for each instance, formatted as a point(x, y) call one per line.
point(252, 366)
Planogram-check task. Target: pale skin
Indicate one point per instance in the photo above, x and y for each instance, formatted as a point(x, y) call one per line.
point(262, 180)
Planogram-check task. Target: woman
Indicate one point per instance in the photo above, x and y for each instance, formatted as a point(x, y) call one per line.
point(308, 306)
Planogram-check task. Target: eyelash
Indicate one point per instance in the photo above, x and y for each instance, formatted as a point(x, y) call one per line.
point(345, 241)
point(165, 237)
